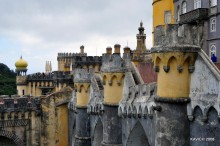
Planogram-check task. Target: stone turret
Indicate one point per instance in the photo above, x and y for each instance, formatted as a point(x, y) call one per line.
point(141, 37)
point(65, 60)
point(21, 66)
point(82, 79)
point(141, 51)
point(113, 72)
point(82, 85)
point(174, 57)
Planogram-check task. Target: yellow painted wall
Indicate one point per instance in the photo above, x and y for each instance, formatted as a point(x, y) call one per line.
point(62, 119)
point(174, 83)
point(20, 89)
point(82, 94)
point(113, 87)
point(159, 8)
point(22, 85)
point(61, 64)
point(35, 89)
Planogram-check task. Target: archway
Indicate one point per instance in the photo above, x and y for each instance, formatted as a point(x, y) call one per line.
point(137, 136)
point(98, 134)
point(10, 137)
point(4, 141)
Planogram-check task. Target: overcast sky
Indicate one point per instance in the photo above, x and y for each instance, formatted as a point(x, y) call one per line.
point(39, 29)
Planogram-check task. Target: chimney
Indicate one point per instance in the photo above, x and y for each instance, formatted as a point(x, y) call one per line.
point(109, 50)
point(82, 49)
point(117, 48)
point(127, 50)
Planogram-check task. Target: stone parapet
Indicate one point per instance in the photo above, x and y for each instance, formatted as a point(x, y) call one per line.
point(113, 63)
point(173, 35)
point(48, 76)
point(139, 101)
point(7, 102)
point(80, 61)
point(82, 76)
point(19, 104)
point(60, 55)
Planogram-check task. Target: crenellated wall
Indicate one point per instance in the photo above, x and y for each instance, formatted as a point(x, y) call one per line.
point(87, 62)
point(65, 60)
point(20, 119)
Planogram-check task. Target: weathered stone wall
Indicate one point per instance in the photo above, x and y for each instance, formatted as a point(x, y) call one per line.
point(203, 110)
point(138, 118)
point(54, 127)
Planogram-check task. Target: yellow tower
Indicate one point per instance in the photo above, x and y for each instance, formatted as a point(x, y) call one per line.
point(65, 60)
point(163, 13)
point(82, 87)
point(82, 79)
point(21, 79)
point(174, 60)
point(113, 73)
point(138, 55)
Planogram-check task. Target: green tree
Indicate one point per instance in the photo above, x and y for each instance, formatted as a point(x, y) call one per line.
point(7, 80)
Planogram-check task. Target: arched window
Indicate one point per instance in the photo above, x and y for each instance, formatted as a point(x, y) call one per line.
point(197, 4)
point(167, 17)
point(213, 24)
point(212, 50)
point(178, 14)
point(213, 3)
point(184, 7)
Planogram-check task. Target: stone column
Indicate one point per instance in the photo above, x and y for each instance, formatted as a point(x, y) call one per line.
point(113, 70)
point(174, 63)
point(82, 86)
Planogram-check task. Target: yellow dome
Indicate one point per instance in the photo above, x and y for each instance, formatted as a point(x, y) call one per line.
point(21, 63)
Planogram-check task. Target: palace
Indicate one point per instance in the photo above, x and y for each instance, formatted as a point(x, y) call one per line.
point(165, 96)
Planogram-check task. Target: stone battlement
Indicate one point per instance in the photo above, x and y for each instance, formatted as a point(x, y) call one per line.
point(82, 75)
point(175, 36)
point(17, 103)
point(63, 55)
point(88, 58)
point(113, 63)
point(48, 76)
point(85, 60)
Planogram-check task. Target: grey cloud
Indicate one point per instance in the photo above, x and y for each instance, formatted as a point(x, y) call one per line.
point(66, 23)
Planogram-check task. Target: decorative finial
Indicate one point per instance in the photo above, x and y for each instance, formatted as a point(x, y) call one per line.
point(141, 24)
